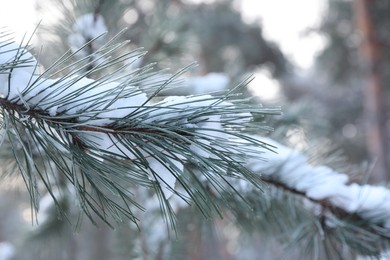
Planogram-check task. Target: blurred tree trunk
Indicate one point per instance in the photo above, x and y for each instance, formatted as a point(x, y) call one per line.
point(371, 55)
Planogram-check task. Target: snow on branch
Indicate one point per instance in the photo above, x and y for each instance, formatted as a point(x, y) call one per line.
point(290, 169)
point(209, 83)
point(108, 127)
point(88, 30)
point(108, 139)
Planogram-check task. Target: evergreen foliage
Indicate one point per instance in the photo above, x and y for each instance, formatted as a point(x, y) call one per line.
point(91, 136)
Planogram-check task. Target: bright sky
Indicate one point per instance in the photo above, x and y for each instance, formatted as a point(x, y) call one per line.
point(285, 22)
point(18, 16)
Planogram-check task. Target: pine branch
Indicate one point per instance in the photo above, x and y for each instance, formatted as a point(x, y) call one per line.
point(113, 144)
point(107, 139)
point(106, 136)
point(354, 216)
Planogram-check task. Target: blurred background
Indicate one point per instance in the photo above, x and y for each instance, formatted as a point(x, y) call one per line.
point(325, 62)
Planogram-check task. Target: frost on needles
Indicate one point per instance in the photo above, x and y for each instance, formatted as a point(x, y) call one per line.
point(106, 136)
point(109, 139)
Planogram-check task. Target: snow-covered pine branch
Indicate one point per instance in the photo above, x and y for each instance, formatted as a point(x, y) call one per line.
point(106, 135)
point(289, 170)
point(87, 37)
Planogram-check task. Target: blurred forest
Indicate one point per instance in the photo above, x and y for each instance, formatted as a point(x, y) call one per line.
point(336, 112)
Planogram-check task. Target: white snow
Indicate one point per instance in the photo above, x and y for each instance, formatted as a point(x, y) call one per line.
point(13, 53)
point(90, 25)
point(111, 144)
point(208, 126)
point(210, 83)
point(86, 27)
point(322, 183)
point(100, 103)
point(167, 113)
point(164, 171)
point(108, 143)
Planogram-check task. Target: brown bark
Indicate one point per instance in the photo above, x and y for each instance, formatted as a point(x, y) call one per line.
point(370, 54)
